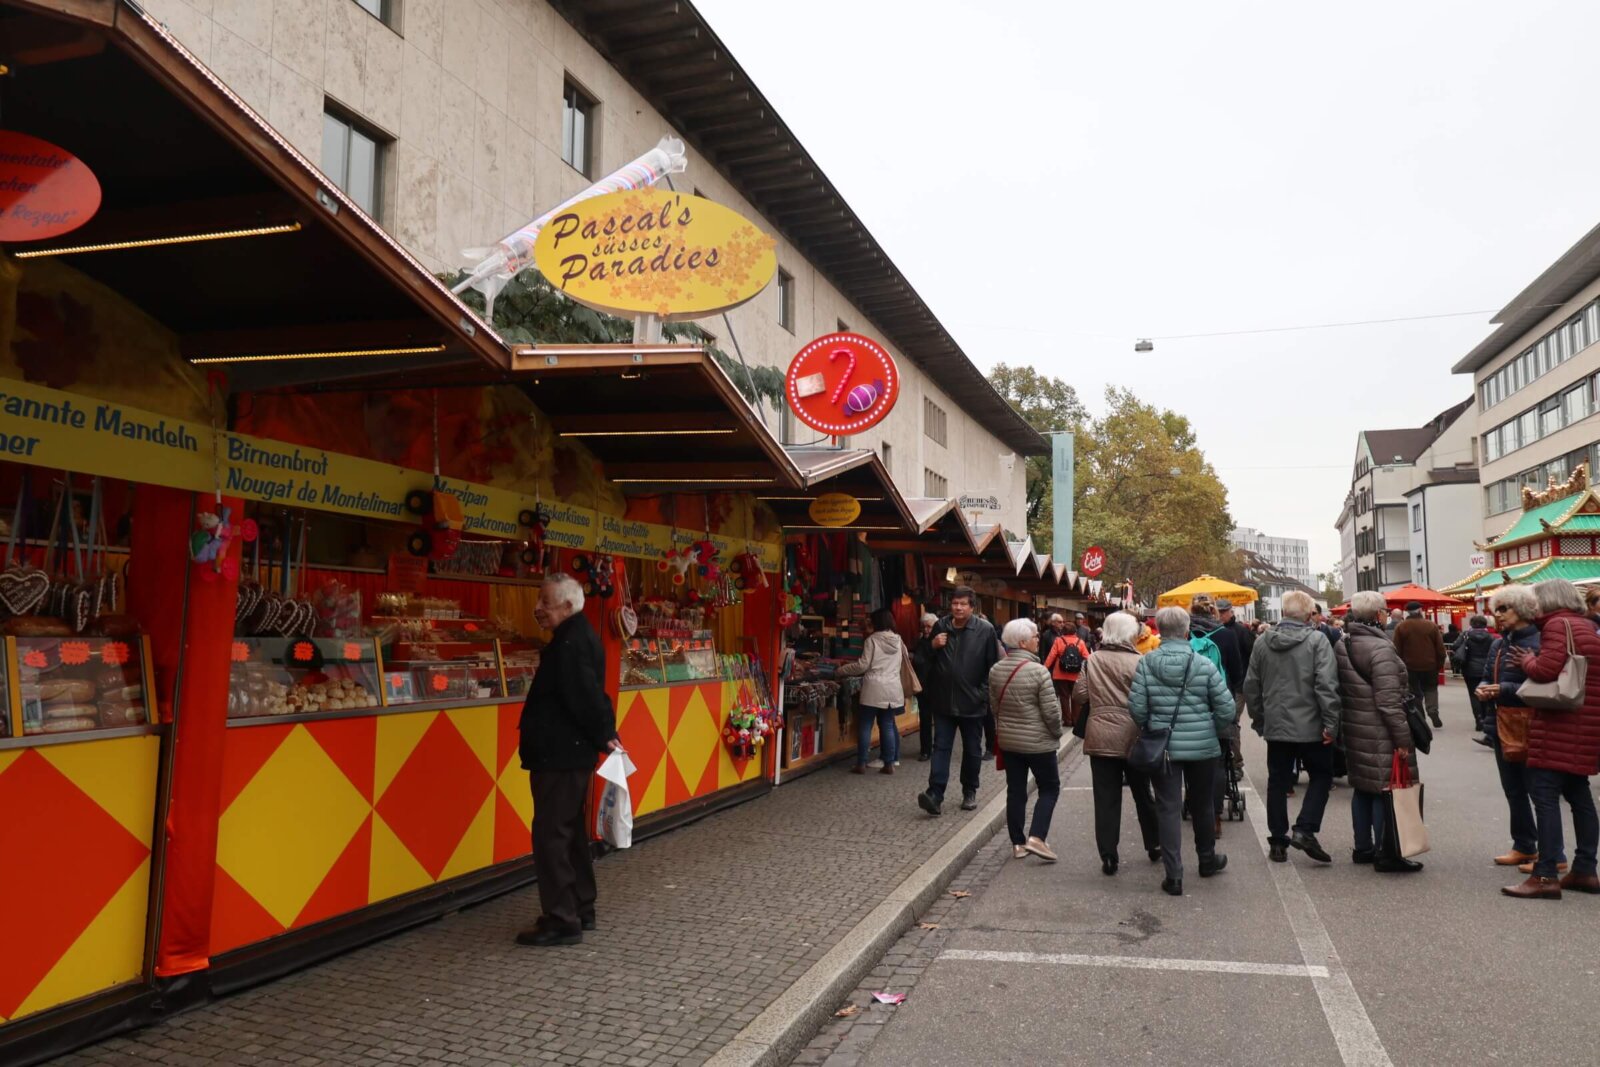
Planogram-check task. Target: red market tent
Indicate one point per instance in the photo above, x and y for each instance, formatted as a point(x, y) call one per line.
point(1428, 598)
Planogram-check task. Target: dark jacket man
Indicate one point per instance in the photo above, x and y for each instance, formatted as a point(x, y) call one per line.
point(566, 718)
point(1420, 644)
point(961, 667)
point(1227, 643)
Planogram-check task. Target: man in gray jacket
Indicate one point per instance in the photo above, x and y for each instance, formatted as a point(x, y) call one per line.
point(1292, 693)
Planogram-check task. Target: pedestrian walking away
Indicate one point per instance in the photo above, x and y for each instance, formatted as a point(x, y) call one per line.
point(1471, 658)
point(1372, 694)
point(922, 664)
point(1245, 635)
point(1101, 697)
point(964, 648)
point(881, 667)
point(1421, 647)
point(1292, 695)
point(1515, 608)
point(567, 722)
point(1206, 626)
point(1065, 659)
point(1027, 719)
point(1175, 688)
point(1563, 746)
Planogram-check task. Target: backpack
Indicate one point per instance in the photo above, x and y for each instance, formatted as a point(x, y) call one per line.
point(1071, 658)
point(1204, 646)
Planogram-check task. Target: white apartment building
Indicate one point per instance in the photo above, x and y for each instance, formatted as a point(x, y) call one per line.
point(1408, 514)
point(1536, 380)
point(453, 122)
point(1289, 556)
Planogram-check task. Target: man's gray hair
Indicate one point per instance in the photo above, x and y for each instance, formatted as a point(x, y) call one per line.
point(1519, 598)
point(1298, 605)
point(929, 619)
point(1017, 631)
point(564, 588)
point(1367, 606)
point(1558, 594)
point(1055, 617)
point(1120, 628)
point(1172, 622)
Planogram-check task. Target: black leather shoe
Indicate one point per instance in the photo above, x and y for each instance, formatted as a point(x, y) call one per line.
point(925, 757)
point(1154, 854)
point(1396, 865)
point(969, 801)
point(1307, 843)
point(1213, 865)
point(1362, 855)
point(1173, 887)
point(927, 803)
point(1438, 724)
point(588, 922)
point(1277, 852)
point(1108, 864)
point(1484, 741)
point(547, 937)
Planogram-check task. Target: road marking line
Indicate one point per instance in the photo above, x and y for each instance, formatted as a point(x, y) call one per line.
point(1358, 1041)
point(1138, 963)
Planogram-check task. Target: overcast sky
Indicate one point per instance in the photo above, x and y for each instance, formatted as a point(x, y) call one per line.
point(1059, 179)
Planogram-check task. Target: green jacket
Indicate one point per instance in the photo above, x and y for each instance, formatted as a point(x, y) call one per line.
point(1292, 686)
point(1194, 710)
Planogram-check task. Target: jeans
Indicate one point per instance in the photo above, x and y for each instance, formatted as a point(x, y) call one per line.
point(1426, 685)
point(1366, 819)
point(1317, 758)
point(1514, 783)
point(1107, 774)
point(888, 733)
point(1482, 714)
point(1199, 777)
point(924, 729)
point(1045, 771)
point(1548, 788)
point(945, 728)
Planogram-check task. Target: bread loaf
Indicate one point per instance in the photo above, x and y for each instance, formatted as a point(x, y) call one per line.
point(66, 690)
point(37, 626)
point(62, 726)
point(53, 712)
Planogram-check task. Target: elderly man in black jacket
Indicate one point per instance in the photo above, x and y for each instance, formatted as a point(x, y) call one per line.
point(567, 722)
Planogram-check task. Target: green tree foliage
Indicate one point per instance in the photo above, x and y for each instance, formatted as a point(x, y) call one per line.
point(1048, 404)
point(530, 311)
point(1330, 588)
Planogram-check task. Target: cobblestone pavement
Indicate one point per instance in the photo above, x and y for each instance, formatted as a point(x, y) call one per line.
point(700, 930)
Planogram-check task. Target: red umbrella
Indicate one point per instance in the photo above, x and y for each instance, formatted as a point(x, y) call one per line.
point(1428, 598)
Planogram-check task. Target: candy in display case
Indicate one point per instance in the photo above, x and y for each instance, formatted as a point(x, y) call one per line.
point(66, 684)
point(414, 681)
point(521, 662)
point(657, 659)
point(297, 675)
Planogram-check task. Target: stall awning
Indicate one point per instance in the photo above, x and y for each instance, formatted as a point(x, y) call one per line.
point(302, 269)
point(856, 472)
point(940, 529)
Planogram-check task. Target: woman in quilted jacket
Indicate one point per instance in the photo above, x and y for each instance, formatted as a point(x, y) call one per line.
point(1174, 688)
point(1027, 719)
point(1102, 694)
point(1563, 746)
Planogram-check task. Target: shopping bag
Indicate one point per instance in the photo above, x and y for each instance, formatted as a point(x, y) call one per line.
point(1403, 811)
point(1512, 726)
point(613, 820)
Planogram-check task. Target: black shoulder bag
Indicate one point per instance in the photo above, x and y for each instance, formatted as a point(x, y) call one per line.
point(1421, 732)
point(1149, 753)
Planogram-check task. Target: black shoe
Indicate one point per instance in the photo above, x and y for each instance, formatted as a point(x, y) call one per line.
point(549, 936)
point(1396, 865)
point(969, 800)
point(925, 757)
point(1173, 887)
point(1213, 865)
point(988, 754)
point(1277, 852)
point(588, 922)
point(1483, 740)
point(1438, 724)
point(928, 803)
point(1108, 864)
point(1362, 855)
point(1307, 843)
point(1154, 854)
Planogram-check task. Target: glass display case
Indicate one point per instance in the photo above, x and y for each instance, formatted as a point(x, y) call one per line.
point(520, 660)
point(454, 661)
point(294, 676)
point(68, 684)
point(663, 660)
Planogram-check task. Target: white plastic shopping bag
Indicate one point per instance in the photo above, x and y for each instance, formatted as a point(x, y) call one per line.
point(613, 820)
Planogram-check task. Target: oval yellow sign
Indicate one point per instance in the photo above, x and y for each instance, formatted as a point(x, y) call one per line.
point(654, 251)
point(834, 509)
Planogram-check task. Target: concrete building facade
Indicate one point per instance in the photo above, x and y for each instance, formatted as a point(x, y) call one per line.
point(1289, 556)
point(456, 121)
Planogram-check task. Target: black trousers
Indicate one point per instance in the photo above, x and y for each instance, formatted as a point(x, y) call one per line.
point(1045, 771)
point(1317, 758)
point(945, 728)
point(1482, 714)
point(1108, 774)
point(561, 857)
point(988, 732)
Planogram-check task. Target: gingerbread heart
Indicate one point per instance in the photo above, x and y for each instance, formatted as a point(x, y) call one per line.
point(79, 607)
point(23, 589)
point(250, 594)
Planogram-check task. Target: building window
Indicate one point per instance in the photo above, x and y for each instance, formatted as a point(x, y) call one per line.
point(1575, 403)
point(933, 421)
point(353, 158)
point(382, 10)
point(1416, 516)
point(786, 300)
point(935, 485)
point(577, 129)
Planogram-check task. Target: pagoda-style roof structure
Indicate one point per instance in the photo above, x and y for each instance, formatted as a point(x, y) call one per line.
point(1556, 536)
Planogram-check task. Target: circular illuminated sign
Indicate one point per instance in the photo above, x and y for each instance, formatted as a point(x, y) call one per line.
point(1094, 561)
point(842, 383)
point(834, 509)
point(45, 191)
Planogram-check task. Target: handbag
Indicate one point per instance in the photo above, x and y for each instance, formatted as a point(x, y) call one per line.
point(1149, 752)
point(908, 675)
point(1405, 834)
point(1416, 721)
point(1566, 693)
point(1511, 724)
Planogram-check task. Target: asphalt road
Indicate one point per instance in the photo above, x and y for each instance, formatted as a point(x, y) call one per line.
point(1298, 963)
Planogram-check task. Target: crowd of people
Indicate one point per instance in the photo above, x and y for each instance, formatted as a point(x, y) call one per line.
point(1348, 697)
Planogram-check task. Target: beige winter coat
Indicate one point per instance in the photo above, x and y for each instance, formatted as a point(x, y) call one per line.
point(1103, 690)
point(1028, 719)
point(879, 667)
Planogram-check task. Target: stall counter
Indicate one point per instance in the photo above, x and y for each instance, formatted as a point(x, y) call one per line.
point(673, 734)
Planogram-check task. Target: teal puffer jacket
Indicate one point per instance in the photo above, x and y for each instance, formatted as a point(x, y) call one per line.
point(1194, 711)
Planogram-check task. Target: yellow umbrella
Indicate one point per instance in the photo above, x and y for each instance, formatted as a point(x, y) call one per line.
point(1211, 586)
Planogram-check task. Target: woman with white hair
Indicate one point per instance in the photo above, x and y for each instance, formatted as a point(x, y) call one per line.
point(1027, 719)
point(1173, 688)
point(1563, 747)
point(1372, 686)
point(1102, 695)
point(922, 664)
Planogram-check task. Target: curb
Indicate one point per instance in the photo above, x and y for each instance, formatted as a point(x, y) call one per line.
point(780, 1032)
